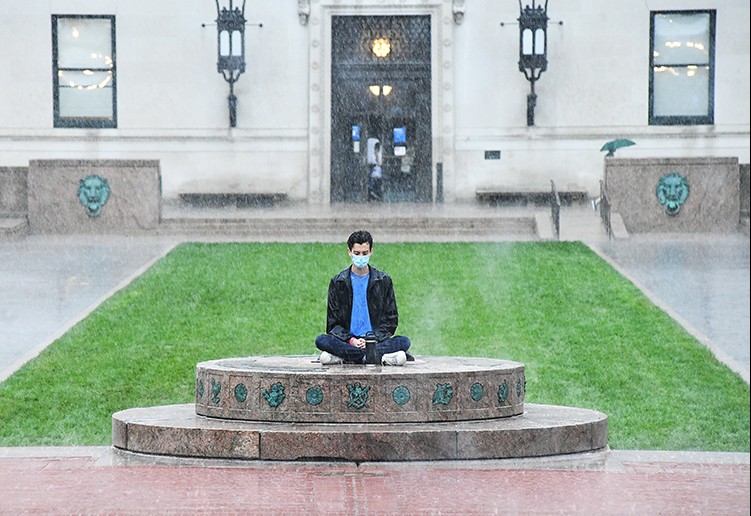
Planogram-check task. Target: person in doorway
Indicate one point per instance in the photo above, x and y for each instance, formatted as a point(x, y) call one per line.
point(375, 170)
point(361, 303)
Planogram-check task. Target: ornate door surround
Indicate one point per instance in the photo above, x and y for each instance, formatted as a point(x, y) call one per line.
point(317, 16)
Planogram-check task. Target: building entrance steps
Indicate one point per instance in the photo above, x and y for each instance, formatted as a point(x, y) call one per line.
point(392, 222)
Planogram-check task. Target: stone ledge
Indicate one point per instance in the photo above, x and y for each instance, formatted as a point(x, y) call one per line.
point(499, 196)
point(240, 200)
point(176, 430)
point(618, 227)
point(298, 388)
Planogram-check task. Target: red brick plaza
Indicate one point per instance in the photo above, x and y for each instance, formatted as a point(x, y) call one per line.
point(100, 480)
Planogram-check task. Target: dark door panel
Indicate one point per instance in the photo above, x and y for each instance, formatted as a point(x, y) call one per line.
point(373, 98)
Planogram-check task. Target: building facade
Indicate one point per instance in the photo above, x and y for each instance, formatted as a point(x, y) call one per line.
point(436, 82)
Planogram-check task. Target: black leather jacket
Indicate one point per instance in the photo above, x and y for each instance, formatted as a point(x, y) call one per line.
point(384, 316)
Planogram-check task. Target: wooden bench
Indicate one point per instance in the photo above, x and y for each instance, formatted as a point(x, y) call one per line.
point(240, 200)
point(522, 197)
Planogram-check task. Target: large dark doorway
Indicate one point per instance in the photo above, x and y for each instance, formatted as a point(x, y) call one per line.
point(381, 90)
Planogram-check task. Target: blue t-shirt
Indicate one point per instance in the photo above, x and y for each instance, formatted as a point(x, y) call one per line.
point(360, 321)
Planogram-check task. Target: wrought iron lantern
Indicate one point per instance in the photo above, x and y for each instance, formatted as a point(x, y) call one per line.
point(533, 49)
point(230, 25)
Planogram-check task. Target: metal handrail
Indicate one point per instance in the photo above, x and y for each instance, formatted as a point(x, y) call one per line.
point(605, 210)
point(555, 209)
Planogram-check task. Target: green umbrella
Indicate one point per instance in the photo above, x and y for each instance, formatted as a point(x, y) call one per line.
point(614, 145)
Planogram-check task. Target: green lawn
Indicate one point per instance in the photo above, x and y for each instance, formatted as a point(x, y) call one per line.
point(587, 337)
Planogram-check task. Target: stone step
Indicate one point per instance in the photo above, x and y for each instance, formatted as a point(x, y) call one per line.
point(295, 408)
point(302, 226)
point(543, 430)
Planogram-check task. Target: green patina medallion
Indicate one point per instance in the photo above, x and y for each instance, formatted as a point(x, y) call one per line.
point(477, 391)
point(672, 191)
point(93, 194)
point(401, 395)
point(443, 394)
point(358, 395)
point(314, 396)
point(275, 395)
point(241, 392)
point(503, 392)
point(216, 388)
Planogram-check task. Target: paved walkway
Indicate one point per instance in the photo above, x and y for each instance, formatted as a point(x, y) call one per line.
point(700, 281)
point(50, 283)
point(100, 481)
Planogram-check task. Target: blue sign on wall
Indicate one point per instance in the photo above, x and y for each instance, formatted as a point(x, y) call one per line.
point(400, 134)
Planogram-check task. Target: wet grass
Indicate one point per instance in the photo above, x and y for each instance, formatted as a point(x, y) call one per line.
point(587, 337)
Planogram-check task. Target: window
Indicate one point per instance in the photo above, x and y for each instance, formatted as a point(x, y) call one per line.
point(83, 71)
point(681, 79)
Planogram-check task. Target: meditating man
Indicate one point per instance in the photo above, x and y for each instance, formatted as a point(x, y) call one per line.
point(361, 303)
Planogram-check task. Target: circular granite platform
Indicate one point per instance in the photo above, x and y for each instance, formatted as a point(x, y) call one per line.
point(295, 408)
point(541, 430)
point(300, 389)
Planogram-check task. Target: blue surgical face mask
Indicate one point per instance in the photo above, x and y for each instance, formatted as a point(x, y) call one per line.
point(360, 261)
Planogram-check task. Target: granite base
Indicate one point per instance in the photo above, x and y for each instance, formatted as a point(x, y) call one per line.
point(542, 430)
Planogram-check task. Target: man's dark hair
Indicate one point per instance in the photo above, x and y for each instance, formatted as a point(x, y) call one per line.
point(360, 237)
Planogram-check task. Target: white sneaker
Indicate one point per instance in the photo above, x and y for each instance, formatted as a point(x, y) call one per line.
point(399, 358)
point(327, 358)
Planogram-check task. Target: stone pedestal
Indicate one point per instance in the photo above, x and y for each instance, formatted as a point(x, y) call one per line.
point(542, 430)
point(706, 190)
point(300, 389)
point(93, 196)
point(294, 408)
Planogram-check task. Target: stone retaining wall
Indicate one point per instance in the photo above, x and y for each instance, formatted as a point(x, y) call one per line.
point(745, 170)
point(712, 185)
point(94, 196)
point(13, 194)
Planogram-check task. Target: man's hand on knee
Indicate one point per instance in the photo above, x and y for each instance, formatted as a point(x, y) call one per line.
point(358, 343)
